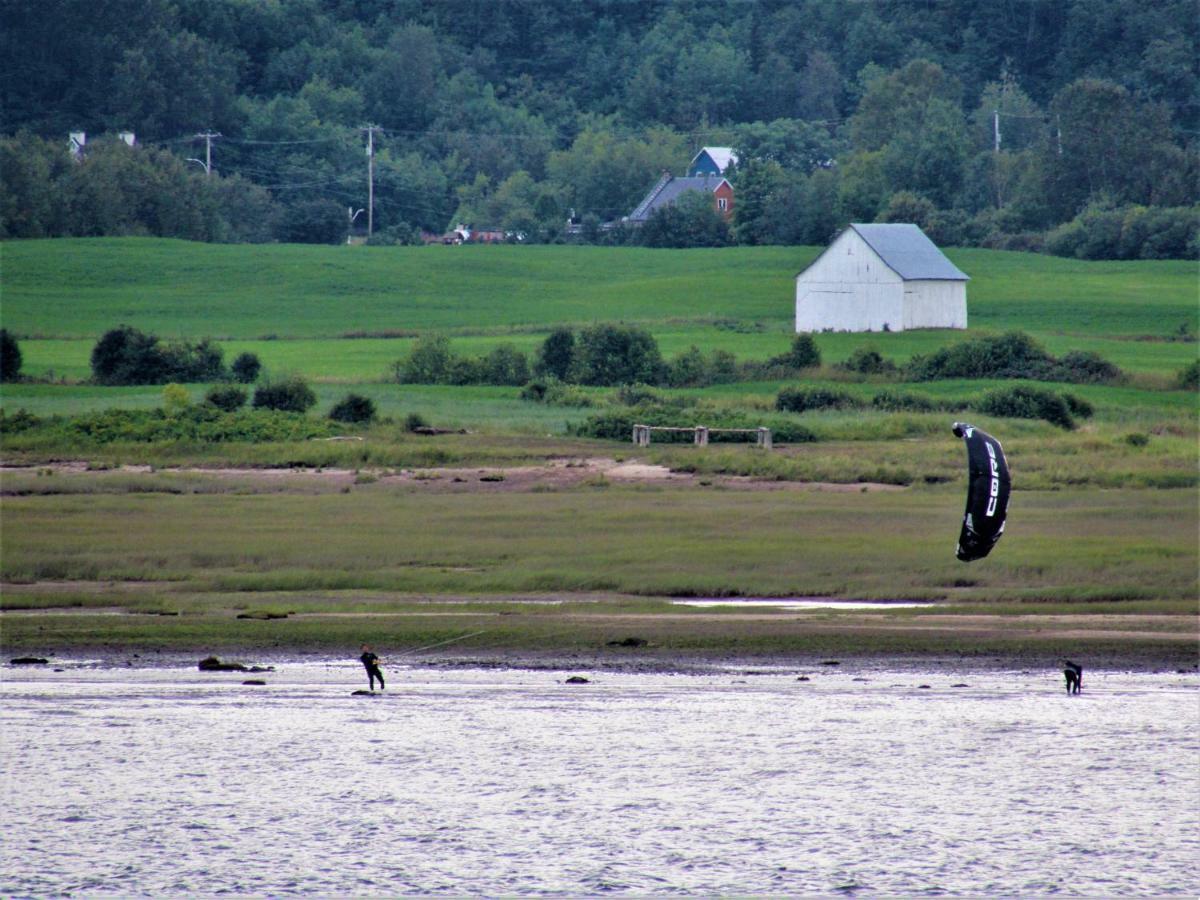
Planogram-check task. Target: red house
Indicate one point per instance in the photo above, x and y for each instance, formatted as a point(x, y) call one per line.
point(670, 188)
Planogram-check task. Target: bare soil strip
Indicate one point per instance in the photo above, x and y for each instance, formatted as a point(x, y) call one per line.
point(557, 473)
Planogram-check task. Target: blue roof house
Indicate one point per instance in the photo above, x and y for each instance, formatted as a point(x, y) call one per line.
point(712, 161)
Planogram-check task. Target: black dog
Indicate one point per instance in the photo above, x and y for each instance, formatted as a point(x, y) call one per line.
point(1074, 676)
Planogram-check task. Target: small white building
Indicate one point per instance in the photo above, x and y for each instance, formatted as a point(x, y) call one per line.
point(881, 278)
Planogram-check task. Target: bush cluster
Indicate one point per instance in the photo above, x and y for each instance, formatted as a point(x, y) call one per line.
point(1011, 355)
point(799, 399)
point(1024, 402)
point(128, 356)
point(125, 355)
point(432, 361)
point(552, 392)
point(868, 361)
point(1131, 232)
point(286, 395)
point(1021, 401)
point(200, 423)
point(226, 397)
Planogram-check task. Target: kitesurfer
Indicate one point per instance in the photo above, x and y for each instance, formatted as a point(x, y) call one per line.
point(371, 663)
point(1074, 675)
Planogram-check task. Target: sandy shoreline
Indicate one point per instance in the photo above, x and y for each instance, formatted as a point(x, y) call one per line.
point(626, 662)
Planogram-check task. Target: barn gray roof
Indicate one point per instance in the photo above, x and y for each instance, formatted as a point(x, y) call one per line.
point(667, 191)
point(909, 253)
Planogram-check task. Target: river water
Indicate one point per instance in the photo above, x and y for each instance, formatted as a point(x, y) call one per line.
point(172, 782)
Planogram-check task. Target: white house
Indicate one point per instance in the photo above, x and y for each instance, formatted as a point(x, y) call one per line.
point(881, 278)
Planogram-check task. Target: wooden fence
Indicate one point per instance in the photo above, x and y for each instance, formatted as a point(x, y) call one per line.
point(700, 433)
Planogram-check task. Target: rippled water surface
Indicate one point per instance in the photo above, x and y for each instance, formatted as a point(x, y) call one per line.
point(172, 782)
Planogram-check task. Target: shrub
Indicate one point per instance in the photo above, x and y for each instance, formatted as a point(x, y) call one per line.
point(175, 399)
point(1085, 367)
point(640, 394)
point(1188, 378)
point(800, 400)
point(353, 408)
point(226, 397)
point(553, 392)
point(10, 357)
point(21, 420)
point(688, 369)
point(555, 355)
point(868, 361)
point(504, 365)
point(1137, 439)
point(1022, 402)
point(1078, 406)
point(608, 354)
point(289, 395)
point(245, 368)
point(413, 421)
point(893, 401)
point(194, 362)
point(429, 361)
point(803, 354)
point(125, 355)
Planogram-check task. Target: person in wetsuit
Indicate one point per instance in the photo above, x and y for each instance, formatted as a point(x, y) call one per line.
point(371, 663)
point(1074, 676)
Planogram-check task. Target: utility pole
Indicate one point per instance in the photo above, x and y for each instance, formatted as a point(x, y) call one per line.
point(208, 139)
point(371, 129)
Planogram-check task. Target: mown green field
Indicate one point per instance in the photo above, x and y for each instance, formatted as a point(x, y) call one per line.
point(294, 305)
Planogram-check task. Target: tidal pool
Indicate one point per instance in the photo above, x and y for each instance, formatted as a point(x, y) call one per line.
point(171, 782)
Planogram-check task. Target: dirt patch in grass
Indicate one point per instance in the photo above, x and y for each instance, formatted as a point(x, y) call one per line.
point(557, 474)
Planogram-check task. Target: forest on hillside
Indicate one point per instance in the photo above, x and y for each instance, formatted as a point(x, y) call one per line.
point(1062, 125)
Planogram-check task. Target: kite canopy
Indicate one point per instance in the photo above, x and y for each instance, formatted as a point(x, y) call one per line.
point(988, 487)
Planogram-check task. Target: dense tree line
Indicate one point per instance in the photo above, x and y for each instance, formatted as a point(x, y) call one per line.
point(512, 114)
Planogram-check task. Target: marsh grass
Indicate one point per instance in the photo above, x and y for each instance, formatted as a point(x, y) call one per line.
point(1062, 545)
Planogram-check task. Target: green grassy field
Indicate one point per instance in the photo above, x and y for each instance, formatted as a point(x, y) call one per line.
point(634, 539)
point(61, 295)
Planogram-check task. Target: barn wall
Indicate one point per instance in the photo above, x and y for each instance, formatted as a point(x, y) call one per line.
point(849, 288)
point(935, 304)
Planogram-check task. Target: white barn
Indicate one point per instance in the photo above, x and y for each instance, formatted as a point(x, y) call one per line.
point(881, 278)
